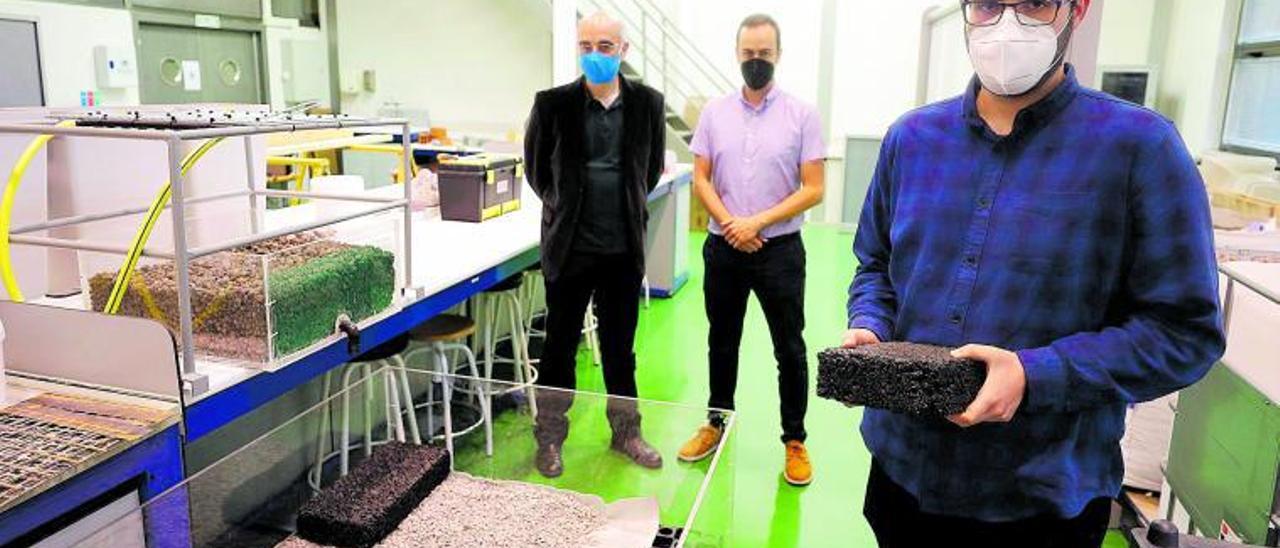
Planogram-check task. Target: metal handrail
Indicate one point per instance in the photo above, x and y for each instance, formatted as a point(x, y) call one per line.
point(1228, 300)
point(675, 30)
point(670, 34)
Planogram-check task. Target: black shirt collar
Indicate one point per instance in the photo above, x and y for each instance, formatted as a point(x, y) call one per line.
point(591, 101)
point(1033, 116)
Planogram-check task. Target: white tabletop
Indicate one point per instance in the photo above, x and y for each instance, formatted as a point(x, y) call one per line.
point(327, 144)
point(445, 253)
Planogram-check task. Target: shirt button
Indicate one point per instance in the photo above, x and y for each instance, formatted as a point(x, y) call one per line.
point(984, 203)
point(971, 260)
point(955, 319)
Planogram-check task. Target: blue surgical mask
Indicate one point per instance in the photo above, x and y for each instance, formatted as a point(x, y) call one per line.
point(600, 68)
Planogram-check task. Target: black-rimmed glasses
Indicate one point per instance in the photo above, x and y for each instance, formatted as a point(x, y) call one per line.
point(604, 47)
point(1031, 13)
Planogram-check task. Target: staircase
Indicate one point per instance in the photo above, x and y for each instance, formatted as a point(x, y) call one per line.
point(664, 58)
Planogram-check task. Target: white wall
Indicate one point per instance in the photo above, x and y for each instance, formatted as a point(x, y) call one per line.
point(712, 25)
point(68, 34)
point(1196, 67)
point(876, 63)
point(474, 65)
point(1127, 31)
point(875, 59)
point(1190, 43)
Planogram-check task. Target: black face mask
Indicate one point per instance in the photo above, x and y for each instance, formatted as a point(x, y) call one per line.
point(757, 73)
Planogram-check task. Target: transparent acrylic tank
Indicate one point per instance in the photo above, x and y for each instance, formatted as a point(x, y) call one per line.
point(251, 498)
point(260, 305)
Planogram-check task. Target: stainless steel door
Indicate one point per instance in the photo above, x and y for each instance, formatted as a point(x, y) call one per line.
point(190, 65)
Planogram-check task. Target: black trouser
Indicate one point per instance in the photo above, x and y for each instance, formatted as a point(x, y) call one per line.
point(614, 282)
point(776, 275)
point(895, 516)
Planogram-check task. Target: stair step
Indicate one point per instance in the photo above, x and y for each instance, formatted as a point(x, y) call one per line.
point(677, 122)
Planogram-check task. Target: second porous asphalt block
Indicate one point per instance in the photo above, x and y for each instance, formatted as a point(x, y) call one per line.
point(366, 505)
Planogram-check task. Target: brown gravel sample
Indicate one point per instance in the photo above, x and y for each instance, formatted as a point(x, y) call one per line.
point(312, 281)
point(908, 378)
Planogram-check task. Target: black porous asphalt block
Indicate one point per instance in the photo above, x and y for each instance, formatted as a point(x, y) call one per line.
point(909, 378)
point(370, 502)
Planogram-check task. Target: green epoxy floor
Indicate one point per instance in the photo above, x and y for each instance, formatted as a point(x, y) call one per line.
point(761, 510)
point(671, 347)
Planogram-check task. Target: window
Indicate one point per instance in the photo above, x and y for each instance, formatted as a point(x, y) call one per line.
point(307, 12)
point(1253, 115)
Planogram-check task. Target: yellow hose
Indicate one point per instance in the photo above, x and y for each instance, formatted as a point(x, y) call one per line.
point(125, 275)
point(6, 210)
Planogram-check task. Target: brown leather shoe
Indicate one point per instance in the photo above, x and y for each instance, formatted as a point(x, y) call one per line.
point(799, 471)
point(702, 444)
point(638, 450)
point(548, 460)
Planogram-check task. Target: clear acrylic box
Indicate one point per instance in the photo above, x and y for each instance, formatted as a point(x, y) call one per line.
point(261, 305)
point(252, 497)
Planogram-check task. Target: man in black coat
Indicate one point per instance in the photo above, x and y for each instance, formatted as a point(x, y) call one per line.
point(594, 150)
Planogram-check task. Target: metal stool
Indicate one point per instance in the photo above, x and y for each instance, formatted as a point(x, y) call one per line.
point(443, 334)
point(396, 386)
point(506, 297)
point(529, 293)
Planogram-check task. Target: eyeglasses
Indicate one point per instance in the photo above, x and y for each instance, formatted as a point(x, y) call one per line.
point(766, 54)
point(1031, 13)
point(604, 47)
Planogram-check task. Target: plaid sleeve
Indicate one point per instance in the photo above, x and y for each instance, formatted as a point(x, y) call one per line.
point(872, 300)
point(1171, 330)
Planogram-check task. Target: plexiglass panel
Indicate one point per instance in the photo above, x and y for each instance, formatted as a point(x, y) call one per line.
point(253, 497)
point(263, 304)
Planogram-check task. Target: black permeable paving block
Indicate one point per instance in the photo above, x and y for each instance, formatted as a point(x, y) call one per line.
point(914, 379)
point(370, 502)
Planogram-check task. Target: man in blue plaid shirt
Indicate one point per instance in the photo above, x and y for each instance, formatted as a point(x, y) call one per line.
point(1056, 234)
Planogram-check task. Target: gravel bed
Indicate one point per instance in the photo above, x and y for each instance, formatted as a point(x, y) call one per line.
point(470, 512)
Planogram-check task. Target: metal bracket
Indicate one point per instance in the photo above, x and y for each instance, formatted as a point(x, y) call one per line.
point(195, 384)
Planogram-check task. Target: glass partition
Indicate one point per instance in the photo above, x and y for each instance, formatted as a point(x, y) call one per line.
point(253, 497)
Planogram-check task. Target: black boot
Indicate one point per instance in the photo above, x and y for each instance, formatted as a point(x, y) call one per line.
point(548, 460)
point(624, 418)
point(550, 430)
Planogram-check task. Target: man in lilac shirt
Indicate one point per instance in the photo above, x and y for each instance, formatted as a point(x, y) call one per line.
point(758, 167)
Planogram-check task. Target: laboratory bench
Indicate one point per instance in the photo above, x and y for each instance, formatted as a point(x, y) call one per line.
point(451, 262)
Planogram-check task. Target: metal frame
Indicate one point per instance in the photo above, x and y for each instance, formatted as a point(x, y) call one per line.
point(195, 383)
point(1228, 308)
point(155, 464)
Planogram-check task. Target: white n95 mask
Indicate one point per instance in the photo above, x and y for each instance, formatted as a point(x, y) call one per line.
point(1011, 58)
